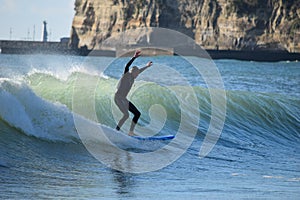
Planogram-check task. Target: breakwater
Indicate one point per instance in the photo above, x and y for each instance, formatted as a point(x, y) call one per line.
point(32, 47)
point(36, 47)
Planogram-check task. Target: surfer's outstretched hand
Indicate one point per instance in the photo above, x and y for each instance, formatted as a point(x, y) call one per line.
point(137, 53)
point(149, 64)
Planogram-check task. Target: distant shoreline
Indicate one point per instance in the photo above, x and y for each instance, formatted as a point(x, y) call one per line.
point(34, 47)
point(259, 55)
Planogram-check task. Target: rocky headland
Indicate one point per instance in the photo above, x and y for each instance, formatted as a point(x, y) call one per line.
point(213, 24)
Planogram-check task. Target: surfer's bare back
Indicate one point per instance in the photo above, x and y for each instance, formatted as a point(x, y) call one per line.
point(123, 88)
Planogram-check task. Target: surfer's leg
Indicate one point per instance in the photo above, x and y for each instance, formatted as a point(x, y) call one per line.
point(136, 117)
point(122, 120)
point(123, 106)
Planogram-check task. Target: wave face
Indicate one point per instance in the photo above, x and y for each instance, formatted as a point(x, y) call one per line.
point(42, 107)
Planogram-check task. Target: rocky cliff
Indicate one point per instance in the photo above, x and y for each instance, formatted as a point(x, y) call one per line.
point(214, 24)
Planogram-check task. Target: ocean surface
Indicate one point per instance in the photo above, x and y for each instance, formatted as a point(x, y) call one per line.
point(49, 105)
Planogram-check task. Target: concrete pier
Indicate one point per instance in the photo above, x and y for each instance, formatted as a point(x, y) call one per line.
point(63, 48)
point(31, 47)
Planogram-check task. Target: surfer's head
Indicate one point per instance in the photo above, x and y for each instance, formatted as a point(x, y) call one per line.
point(135, 71)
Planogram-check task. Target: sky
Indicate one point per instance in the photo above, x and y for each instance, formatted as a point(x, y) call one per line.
point(19, 19)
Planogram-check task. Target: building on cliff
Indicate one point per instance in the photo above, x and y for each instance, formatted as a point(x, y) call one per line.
point(213, 24)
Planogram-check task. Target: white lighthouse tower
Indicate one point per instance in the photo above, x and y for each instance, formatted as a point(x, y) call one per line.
point(45, 33)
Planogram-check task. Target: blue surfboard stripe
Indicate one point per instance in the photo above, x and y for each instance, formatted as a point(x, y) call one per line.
point(163, 137)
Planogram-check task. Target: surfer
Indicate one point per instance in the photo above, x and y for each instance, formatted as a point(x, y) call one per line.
point(123, 88)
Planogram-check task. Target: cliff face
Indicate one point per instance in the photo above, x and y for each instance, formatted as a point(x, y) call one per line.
point(214, 24)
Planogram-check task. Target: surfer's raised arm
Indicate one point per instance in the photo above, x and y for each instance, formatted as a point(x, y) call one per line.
point(149, 64)
point(136, 54)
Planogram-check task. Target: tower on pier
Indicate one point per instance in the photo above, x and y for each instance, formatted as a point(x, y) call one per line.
point(45, 33)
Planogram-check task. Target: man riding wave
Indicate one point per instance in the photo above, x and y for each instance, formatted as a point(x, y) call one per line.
point(123, 88)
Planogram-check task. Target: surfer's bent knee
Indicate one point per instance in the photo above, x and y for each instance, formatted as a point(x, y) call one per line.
point(136, 116)
point(125, 115)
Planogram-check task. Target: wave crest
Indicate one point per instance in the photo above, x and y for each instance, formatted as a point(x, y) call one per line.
point(23, 109)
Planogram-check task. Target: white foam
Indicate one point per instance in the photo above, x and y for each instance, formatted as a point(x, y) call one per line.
point(64, 74)
point(23, 109)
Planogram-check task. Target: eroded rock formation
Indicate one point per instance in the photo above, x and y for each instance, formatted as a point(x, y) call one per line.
point(214, 24)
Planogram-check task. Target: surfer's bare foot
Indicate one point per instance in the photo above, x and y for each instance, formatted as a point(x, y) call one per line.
point(131, 133)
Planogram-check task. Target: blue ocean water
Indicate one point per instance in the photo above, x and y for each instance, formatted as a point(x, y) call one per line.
point(43, 156)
